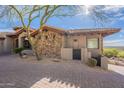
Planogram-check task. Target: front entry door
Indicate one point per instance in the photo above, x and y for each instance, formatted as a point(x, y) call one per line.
point(77, 54)
point(26, 43)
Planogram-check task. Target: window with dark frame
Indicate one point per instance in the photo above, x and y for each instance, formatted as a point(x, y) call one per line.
point(93, 43)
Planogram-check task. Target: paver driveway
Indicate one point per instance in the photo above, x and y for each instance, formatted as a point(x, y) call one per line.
point(15, 72)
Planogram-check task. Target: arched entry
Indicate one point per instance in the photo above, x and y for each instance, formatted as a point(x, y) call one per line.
point(26, 43)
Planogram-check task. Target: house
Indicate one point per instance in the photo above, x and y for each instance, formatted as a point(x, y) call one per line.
point(55, 42)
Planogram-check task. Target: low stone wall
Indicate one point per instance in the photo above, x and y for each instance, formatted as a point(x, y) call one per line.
point(28, 52)
point(104, 63)
point(85, 55)
point(66, 53)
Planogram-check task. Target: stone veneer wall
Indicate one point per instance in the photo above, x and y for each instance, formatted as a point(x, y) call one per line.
point(49, 44)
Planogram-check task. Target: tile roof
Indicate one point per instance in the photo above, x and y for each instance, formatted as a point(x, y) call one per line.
point(3, 34)
point(103, 31)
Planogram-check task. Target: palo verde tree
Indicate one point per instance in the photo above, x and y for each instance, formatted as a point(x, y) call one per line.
point(44, 12)
point(28, 14)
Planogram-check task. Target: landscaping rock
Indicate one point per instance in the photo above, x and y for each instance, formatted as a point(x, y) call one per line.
point(24, 56)
point(56, 60)
point(28, 52)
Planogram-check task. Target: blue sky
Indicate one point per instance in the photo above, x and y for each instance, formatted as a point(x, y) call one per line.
point(83, 20)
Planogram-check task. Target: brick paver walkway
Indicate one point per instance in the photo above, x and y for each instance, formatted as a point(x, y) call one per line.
point(15, 72)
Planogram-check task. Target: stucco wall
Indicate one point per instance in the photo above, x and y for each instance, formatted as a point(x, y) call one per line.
point(66, 53)
point(8, 45)
point(80, 40)
point(82, 43)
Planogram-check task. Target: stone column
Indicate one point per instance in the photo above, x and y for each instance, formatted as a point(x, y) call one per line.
point(84, 55)
point(20, 39)
point(104, 63)
point(100, 44)
point(20, 42)
point(85, 41)
point(63, 41)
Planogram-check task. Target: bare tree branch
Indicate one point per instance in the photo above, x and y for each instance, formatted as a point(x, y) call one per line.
point(21, 17)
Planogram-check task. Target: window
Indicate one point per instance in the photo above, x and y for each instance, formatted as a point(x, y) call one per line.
point(26, 44)
point(92, 43)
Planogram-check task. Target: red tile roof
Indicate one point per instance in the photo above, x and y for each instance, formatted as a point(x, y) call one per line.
point(18, 31)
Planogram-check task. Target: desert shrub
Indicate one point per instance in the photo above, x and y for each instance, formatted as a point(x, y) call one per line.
point(18, 50)
point(92, 62)
point(110, 52)
point(120, 54)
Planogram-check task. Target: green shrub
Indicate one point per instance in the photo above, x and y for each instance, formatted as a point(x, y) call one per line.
point(110, 52)
point(18, 50)
point(92, 62)
point(120, 54)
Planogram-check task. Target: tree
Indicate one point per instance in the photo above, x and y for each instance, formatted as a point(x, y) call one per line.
point(27, 14)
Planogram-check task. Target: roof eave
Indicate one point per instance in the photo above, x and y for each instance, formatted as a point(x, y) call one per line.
point(103, 32)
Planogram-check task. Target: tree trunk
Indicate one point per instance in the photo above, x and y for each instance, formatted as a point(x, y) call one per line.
point(20, 54)
point(38, 57)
